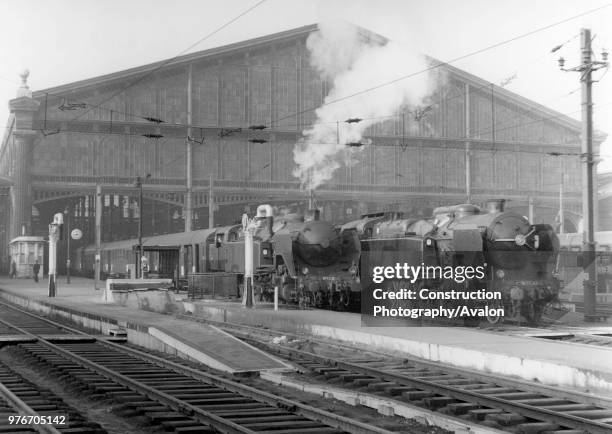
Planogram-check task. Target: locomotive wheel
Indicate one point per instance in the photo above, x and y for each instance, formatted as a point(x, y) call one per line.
point(496, 319)
point(345, 300)
point(319, 299)
point(534, 313)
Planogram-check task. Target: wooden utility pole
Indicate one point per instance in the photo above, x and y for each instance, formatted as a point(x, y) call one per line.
point(468, 151)
point(211, 202)
point(187, 212)
point(140, 251)
point(98, 236)
point(561, 211)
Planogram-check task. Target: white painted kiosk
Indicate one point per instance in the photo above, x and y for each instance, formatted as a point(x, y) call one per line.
point(25, 251)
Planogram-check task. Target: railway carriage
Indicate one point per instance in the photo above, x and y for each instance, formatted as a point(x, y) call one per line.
point(168, 256)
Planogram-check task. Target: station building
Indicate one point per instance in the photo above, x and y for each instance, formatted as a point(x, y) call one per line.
point(190, 116)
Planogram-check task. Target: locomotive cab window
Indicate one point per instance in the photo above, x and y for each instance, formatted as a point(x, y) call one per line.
point(266, 250)
point(219, 240)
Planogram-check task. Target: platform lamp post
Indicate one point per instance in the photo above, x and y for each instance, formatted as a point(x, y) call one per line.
point(140, 249)
point(55, 229)
point(248, 227)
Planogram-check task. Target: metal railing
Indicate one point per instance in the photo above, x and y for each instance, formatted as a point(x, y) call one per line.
point(212, 285)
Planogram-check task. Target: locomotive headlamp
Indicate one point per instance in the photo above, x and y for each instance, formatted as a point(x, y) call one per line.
point(305, 270)
point(500, 274)
point(265, 251)
point(428, 242)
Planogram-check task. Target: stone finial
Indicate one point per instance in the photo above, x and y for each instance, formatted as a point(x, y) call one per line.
point(24, 89)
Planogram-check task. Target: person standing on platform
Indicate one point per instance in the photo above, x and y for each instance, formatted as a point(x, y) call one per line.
point(144, 267)
point(36, 269)
point(13, 269)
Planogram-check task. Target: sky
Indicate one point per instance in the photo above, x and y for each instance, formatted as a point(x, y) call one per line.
point(61, 41)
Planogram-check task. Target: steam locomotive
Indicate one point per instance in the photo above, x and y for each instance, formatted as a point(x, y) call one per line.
point(310, 262)
point(517, 258)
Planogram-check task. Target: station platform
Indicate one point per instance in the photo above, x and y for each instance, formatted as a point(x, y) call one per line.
point(579, 367)
point(82, 304)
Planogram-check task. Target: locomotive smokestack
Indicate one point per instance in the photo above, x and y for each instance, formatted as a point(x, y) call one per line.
point(266, 211)
point(495, 205)
point(312, 215)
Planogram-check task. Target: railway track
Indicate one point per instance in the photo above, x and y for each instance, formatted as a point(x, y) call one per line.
point(30, 324)
point(505, 404)
point(20, 397)
point(171, 395)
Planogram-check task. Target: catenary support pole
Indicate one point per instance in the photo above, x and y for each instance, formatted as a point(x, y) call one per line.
point(468, 151)
point(211, 202)
point(587, 177)
point(188, 209)
point(98, 236)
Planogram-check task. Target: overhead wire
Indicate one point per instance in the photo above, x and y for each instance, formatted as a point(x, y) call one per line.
point(159, 67)
point(535, 121)
point(432, 67)
point(274, 121)
point(182, 155)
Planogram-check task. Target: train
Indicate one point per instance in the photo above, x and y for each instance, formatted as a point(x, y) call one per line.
point(310, 262)
point(517, 259)
point(316, 264)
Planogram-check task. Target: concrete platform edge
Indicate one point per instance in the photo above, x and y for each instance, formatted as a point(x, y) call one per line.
point(542, 371)
point(532, 370)
point(384, 406)
point(139, 334)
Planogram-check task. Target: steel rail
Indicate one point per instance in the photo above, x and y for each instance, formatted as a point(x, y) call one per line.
point(178, 405)
point(301, 409)
point(456, 393)
point(479, 376)
point(24, 408)
point(319, 415)
point(565, 420)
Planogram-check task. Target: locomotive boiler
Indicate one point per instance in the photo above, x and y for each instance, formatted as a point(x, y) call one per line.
point(517, 258)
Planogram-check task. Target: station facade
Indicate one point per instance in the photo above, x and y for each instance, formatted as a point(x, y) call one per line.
point(182, 127)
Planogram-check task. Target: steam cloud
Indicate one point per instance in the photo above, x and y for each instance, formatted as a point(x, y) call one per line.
point(353, 64)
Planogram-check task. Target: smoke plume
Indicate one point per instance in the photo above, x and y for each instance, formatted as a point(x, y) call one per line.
point(354, 63)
